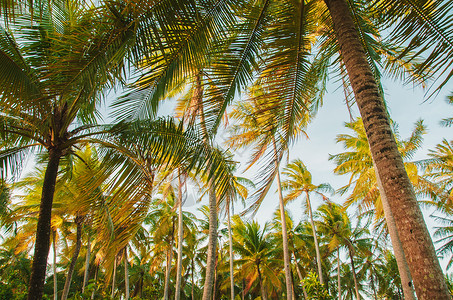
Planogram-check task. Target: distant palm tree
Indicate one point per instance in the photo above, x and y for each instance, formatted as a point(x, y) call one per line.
point(256, 253)
point(298, 182)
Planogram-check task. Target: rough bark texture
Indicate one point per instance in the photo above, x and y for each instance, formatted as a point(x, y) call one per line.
point(75, 255)
point(417, 244)
point(403, 268)
point(315, 238)
point(43, 229)
point(286, 258)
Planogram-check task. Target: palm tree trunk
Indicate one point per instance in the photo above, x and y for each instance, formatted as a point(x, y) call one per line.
point(180, 240)
point(338, 273)
point(126, 274)
point(43, 228)
point(75, 255)
point(168, 268)
point(114, 277)
point(286, 258)
point(263, 291)
point(230, 239)
point(417, 244)
point(193, 281)
point(403, 268)
point(212, 237)
point(54, 265)
point(356, 285)
point(87, 264)
point(301, 278)
point(315, 238)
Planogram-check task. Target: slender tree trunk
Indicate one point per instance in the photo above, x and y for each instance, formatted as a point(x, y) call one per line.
point(193, 281)
point(214, 289)
point(75, 255)
point(286, 258)
point(126, 274)
point(338, 273)
point(230, 239)
point(212, 237)
point(54, 265)
point(315, 238)
point(301, 278)
point(417, 244)
point(180, 241)
point(263, 291)
point(356, 285)
point(87, 264)
point(95, 279)
point(43, 228)
point(168, 268)
point(403, 268)
point(114, 277)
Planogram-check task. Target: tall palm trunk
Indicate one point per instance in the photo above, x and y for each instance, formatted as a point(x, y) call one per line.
point(168, 268)
point(43, 228)
point(180, 240)
point(338, 273)
point(354, 276)
point(113, 277)
point(403, 268)
point(315, 238)
point(262, 289)
point(286, 258)
point(230, 239)
point(54, 265)
point(417, 244)
point(87, 264)
point(212, 236)
point(126, 274)
point(193, 281)
point(75, 255)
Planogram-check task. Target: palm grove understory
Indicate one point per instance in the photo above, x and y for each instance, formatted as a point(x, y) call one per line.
point(107, 195)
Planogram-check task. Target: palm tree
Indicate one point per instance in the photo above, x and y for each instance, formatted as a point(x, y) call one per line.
point(256, 254)
point(300, 181)
point(57, 67)
point(334, 223)
point(365, 183)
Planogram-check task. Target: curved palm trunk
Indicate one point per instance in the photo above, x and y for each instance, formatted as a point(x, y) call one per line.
point(417, 244)
point(126, 274)
point(230, 239)
point(286, 258)
point(356, 285)
point(42, 244)
point(338, 273)
point(315, 238)
point(193, 281)
point(54, 265)
point(87, 264)
point(403, 268)
point(260, 278)
point(180, 240)
point(75, 255)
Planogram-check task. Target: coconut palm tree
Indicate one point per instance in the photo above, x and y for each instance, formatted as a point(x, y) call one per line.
point(365, 183)
point(56, 68)
point(298, 182)
point(256, 255)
